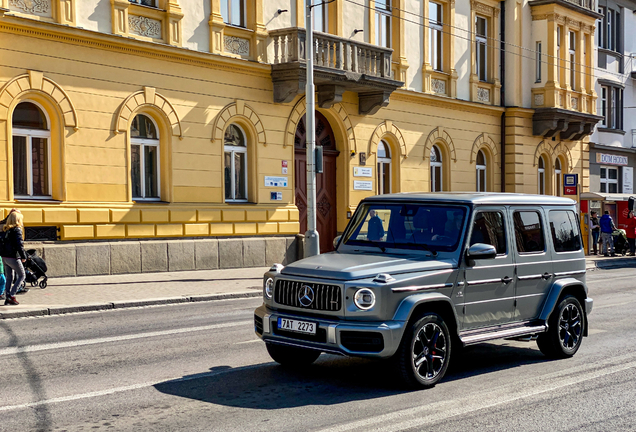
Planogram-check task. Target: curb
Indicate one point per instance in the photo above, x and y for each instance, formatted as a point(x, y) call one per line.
point(611, 264)
point(60, 310)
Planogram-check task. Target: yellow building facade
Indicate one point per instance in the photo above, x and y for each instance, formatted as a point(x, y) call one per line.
point(415, 124)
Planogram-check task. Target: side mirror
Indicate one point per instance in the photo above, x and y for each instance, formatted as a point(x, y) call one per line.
point(481, 251)
point(336, 241)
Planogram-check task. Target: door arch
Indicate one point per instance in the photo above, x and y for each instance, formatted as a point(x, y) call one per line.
point(326, 199)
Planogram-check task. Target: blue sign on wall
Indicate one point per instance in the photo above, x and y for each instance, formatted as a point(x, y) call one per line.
point(570, 182)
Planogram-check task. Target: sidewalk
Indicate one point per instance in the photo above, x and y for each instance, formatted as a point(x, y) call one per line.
point(87, 293)
point(594, 262)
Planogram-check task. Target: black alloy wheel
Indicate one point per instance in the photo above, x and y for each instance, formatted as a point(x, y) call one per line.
point(565, 330)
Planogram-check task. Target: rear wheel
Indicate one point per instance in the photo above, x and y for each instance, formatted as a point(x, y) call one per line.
point(565, 330)
point(424, 353)
point(292, 356)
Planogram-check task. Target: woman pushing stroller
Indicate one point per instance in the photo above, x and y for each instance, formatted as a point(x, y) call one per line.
point(13, 254)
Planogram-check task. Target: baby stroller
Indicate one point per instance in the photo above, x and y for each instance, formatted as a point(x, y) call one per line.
point(34, 268)
point(621, 246)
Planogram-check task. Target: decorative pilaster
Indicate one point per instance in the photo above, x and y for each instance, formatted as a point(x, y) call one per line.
point(120, 16)
point(217, 27)
point(174, 32)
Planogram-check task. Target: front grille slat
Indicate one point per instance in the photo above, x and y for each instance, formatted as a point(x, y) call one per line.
point(326, 297)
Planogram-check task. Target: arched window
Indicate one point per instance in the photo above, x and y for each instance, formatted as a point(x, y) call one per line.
point(235, 164)
point(436, 170)
point(384, 168)
point(31, 152)
point(558, 177)
point(144, 157)
point(541, 175)
point(481, 172)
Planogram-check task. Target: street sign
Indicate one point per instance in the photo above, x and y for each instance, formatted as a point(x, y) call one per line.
point(569, 184)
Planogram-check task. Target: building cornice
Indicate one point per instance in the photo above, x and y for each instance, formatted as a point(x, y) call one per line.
point(444, 102)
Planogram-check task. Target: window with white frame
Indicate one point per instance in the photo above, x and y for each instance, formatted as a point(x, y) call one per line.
point(612, 106)
point(481, 172)
point(558, 177)
point(541, 173)
point(31, 152)
point(572, 53)
point(150, 3)
point(436, 170)
point(608, 29)
point(435, 35)
point(144, 158)
point(538, 62)
point(384, 168)
point(609, 179)
point(235, 145)
point(599, 28)
point(233, 12)
point(320, 16)
point(383, 23)
point(481, 37)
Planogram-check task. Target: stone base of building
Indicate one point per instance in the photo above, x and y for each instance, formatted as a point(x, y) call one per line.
point(160, 255)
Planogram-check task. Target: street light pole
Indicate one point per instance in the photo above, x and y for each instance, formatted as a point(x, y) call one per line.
point(312, 241)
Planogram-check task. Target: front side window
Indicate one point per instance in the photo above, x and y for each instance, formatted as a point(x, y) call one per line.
point(235, 164)
point(609, 179)
point(383, 23)
point(233, 12)
point(144, 158)
point(481, 36)
point(541, 176)
point(435, 35)
point(426, 227)
point(384, 168)
point(489, 228)
point(565, 231)
point(481, 171)
point(31, 152)
point(528, 232)
point(436, 170)
point(558, 176)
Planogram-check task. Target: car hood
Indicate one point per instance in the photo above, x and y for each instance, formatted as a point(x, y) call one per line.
point(344, 266)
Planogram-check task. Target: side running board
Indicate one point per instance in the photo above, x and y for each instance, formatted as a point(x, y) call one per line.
point(470, 338)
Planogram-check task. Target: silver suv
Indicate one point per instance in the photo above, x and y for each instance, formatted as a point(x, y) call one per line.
point(416, 277)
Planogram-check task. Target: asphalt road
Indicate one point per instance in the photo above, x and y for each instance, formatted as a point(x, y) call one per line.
point(199, 367)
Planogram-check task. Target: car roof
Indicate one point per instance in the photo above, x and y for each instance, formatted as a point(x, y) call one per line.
point(477, 198)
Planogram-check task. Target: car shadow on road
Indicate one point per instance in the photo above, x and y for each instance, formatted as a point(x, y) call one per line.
point(331, 380)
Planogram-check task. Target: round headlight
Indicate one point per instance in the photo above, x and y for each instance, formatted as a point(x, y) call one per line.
point(364, 299)
point(269, 288)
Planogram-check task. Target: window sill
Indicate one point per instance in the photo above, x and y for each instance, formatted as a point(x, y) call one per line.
point(611, 130)
point(237, 202)
point(149, 201)
point(45, 199)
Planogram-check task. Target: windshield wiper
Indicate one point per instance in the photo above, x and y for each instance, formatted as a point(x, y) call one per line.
point(425, 247)
point(378, 245)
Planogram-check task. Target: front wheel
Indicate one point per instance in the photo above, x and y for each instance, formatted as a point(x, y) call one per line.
point(565, 330)
point(292, 356)
point(424, 353)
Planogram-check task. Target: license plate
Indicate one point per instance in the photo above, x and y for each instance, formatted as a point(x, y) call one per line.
point(297, 326)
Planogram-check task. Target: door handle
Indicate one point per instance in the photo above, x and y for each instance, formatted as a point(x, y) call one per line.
point(506, 280)
point(546, 276)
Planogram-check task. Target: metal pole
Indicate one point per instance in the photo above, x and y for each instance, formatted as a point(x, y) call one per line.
point(312, 241)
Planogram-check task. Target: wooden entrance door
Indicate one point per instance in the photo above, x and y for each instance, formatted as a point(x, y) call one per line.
point(326, 214)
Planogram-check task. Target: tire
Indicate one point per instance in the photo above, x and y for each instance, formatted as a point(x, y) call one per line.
point(292, 356)
point(424, 353)
point(566, 326)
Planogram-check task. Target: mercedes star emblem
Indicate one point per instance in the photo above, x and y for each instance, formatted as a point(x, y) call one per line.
point(306, 295)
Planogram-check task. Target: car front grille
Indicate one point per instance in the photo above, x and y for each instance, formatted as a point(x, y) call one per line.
point(326, 297)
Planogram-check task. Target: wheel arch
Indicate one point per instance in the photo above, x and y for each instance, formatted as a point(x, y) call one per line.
point(413, 306)
point(559, 290)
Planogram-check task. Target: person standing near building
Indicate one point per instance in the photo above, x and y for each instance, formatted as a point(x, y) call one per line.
point(13, 255)
point(596, 231)
point(631, 232)
point(376, 230)
point(607, 227)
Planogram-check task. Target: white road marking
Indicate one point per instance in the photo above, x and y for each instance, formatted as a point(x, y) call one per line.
point(78, 343)
point(249, 341)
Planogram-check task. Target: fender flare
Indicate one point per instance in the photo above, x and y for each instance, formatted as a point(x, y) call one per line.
point(408, 305)
point(555, 292)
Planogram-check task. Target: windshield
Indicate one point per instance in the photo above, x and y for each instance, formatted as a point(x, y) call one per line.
point(406, 226)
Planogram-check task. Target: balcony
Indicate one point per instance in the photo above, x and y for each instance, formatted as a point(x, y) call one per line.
point(587, 7)
point(340, 65)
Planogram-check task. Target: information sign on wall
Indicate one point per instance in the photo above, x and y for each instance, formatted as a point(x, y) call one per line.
point(569, 184)
point(362, 172)
point(275, 181)
point(628, 180)
point(362, 185)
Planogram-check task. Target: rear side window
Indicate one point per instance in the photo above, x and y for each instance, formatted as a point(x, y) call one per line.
point(565, 231)
point(528, 232)
point(489, 228)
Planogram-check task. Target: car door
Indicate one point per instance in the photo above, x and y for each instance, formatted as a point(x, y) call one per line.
point(489, 283)
point(533, 262)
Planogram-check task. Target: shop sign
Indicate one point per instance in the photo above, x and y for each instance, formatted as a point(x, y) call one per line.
point(362, 185)
point(628, 180)
point(609, 159)
point(362, 172)
point(570, 182)
point(275, 181)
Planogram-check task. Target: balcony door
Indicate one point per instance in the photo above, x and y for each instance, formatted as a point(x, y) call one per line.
point(326, 214)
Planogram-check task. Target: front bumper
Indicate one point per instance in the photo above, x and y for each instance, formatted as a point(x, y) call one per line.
point(333, 336)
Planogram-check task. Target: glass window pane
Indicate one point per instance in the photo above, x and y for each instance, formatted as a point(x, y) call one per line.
point(489, 228)
point(482, 180)
point(40, 166)
point(135, 170)
point(318, 15)
point(613, 187)
point(386, 178)
point(481, 60)
point(603, 173)
point(528, 232)
point(541, 162)
point(228, 176)
point(613, 173)
point(604, 187)
point(237, 13)
point(565, 234)
point(20, 166)
point(28, 116)
point(143, 127)
point(381, 150)
point(151, 156)
point(438, 179)
point(234, 136)
point(481, 159)
point(240, 166)
point(224, 11)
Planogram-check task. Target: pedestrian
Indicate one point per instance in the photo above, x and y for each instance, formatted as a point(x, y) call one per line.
point(376, 229)
point(607, 227)
point(13, 255)
point(596, 231)
point(631, 232)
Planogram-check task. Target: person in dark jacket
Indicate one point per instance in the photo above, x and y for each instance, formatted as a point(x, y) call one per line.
point(596, 231)
point(376, 229)
point(607, 228)
point(13, 255)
